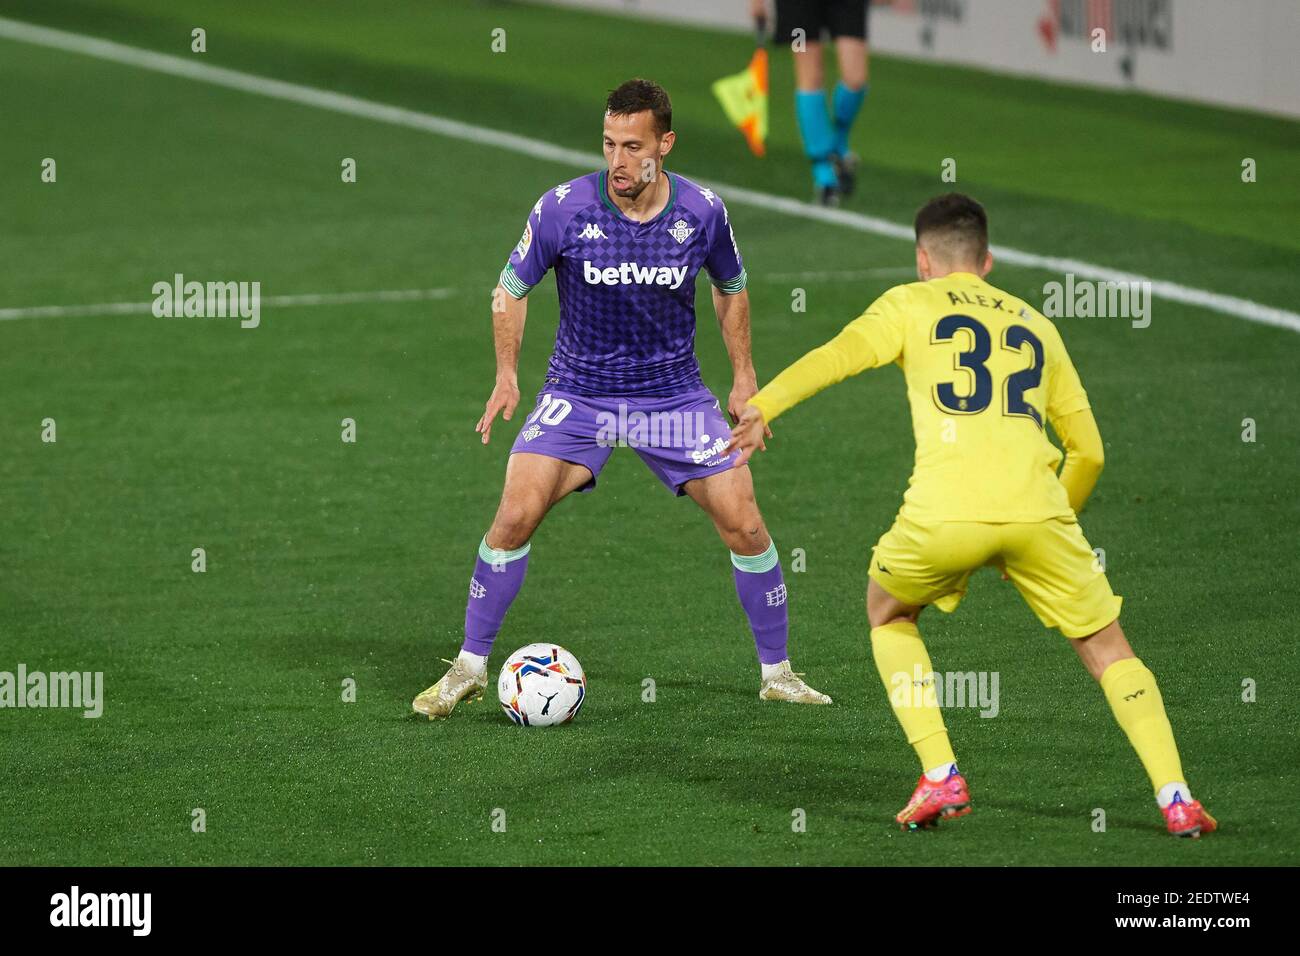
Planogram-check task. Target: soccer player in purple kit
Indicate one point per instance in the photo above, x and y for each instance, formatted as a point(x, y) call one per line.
point(626, 244)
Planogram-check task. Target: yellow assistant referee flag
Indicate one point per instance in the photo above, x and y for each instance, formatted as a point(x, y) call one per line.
point(744, 99)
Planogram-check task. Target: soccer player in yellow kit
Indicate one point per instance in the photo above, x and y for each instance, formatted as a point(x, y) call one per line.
point(985, 372)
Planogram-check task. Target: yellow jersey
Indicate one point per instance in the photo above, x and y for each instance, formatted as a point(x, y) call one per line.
point(985, 373)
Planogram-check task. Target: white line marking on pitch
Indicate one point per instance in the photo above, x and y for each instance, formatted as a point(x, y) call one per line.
point(399, 116)
point(280, 301)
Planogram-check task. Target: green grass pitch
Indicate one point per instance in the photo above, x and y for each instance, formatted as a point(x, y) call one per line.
point(329, 561)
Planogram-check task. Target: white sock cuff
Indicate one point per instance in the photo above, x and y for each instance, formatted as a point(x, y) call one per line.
point(940, 773)
point(756, 563)
point(495, 556)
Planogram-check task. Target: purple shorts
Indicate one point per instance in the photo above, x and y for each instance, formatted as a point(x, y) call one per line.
point(680, 437)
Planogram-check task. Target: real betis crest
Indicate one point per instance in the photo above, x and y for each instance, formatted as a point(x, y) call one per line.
point(680, 231)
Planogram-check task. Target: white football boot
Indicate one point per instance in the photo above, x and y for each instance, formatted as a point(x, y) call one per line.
point(786, 685)
point(459, 683)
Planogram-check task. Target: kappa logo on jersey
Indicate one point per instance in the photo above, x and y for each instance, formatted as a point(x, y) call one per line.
point(631, 273)
point(709, 195)
point(680, 231)
point(562, 191)
point(591, 231)
point(525, 241)
point(537, 210)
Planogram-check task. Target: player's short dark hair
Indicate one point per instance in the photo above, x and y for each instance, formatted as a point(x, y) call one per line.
point(958, 224)
point(637, 96)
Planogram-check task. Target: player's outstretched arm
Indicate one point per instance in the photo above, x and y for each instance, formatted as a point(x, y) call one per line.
point(508, 314)
point(872, 339)
point(847, 354)
point(1084, 455)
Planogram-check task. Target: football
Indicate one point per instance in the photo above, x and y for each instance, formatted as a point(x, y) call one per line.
point(541, 685)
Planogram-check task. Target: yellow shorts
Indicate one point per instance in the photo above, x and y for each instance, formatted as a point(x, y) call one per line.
point(1049, 562)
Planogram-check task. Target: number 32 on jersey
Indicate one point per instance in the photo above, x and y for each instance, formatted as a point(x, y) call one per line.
point(973, 361)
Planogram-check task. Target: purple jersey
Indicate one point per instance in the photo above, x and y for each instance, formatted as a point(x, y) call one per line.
point(627, 289)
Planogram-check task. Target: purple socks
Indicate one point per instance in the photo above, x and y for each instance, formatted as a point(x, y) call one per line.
point(498, 575)
point(761, 589)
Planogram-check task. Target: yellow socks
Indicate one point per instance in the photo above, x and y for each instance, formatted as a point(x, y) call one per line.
point(905, 668)
point(1135, 699)
point(1129, 687)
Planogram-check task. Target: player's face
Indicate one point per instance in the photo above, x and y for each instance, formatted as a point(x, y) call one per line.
point(633, 153)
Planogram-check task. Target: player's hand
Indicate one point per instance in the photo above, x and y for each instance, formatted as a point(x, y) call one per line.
point(741, 392)
point(747, 435)
point(504, 398)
